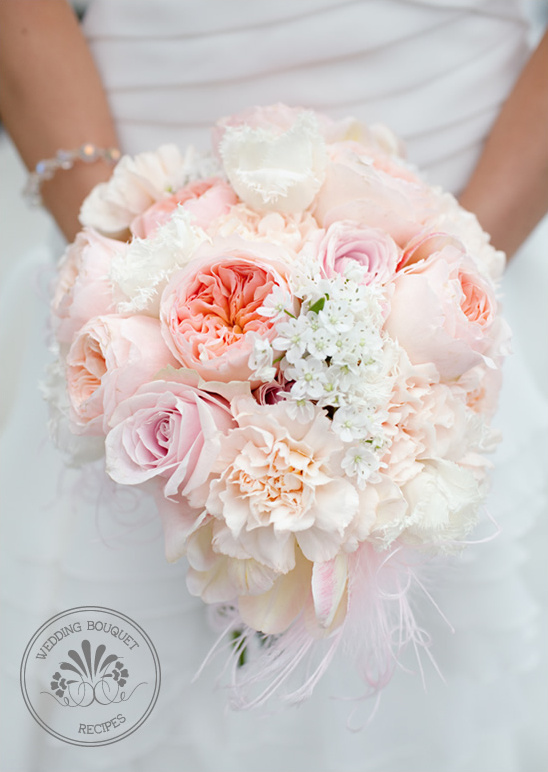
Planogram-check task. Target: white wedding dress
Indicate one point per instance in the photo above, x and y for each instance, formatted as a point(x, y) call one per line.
point(437, 73)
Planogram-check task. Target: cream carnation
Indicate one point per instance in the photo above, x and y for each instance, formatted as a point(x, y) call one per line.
point(289, 230)
point(280, 485)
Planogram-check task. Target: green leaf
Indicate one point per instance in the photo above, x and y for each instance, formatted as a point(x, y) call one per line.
point(238, 642)
point(317, 306)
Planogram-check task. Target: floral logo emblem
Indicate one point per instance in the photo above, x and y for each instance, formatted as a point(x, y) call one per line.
point(92, 676)
point(100, 663)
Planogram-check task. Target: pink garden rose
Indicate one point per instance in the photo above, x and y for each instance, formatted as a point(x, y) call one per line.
point(377, 193)
point(210, 307)
point(83, 289)
point(109, 359)
point(206, 200)
point(170, 430)
point(425, 244)
point(368, 253)
point(444, 312)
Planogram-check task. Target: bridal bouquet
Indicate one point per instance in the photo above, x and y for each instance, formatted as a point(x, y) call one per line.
point(295, 344)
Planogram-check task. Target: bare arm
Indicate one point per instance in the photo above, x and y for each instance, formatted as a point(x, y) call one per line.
point(51, 97)
point(508, 190)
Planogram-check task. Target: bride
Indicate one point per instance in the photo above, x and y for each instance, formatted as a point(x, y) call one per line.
point(444, 75)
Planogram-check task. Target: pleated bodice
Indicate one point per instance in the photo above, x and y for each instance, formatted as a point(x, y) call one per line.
point(435, 72)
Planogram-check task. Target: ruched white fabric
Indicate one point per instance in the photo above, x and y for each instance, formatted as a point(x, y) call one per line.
point(437, 73)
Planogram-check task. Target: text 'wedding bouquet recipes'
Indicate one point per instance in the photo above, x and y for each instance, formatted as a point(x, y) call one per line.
point(294, 343)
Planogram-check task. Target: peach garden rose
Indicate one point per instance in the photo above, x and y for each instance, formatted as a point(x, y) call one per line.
point(83, 289)
point(109, 359)
point(210, 310)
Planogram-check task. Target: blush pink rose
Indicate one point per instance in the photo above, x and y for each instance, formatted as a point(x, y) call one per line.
point(369, 252)
point(209, 308)
point(359, 189)
point(109, 359)
point(170, 430)
point(444, 312)
point(83, 289)
point(206, 200)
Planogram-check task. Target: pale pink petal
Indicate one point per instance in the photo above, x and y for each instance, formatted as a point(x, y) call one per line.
point(179, 519)
point(328, 586)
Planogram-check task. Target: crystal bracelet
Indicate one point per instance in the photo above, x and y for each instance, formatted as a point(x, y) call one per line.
point(65, 159)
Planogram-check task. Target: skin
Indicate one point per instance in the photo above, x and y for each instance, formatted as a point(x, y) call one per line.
point(508, 190)
point(60, 94)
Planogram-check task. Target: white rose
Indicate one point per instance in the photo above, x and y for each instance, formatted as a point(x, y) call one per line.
point(275, 170)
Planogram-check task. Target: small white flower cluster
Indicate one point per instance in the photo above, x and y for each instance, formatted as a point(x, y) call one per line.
point(334, 355)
